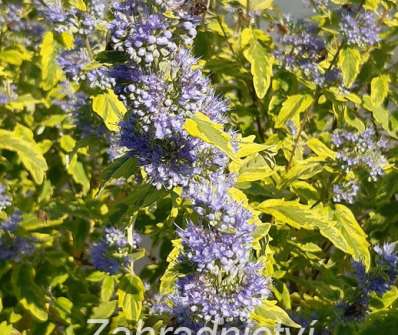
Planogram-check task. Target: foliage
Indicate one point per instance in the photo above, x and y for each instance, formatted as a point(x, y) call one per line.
point(182, 161)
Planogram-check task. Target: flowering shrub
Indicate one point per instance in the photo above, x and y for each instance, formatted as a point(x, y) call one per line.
point(188, 163)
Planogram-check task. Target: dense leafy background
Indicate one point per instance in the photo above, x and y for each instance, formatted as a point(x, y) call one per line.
point(56, 166)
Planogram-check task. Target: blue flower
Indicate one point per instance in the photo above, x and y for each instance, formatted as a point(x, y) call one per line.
point(360, 29)
point(12, 246)
point(111, 254)
point(230, 298)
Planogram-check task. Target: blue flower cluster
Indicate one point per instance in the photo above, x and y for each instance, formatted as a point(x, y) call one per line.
point(160, 103)
point(83, 20)
point(301, 48)
point(74, 63)
point(150, 38)
point(12, 246)
point(346, 191)
point(360, 29)
point(111, 254)
point(380, 280)
point(162, 87)
point(13, 18)
point(87, 26)
point(358, 153)
point(227, 285)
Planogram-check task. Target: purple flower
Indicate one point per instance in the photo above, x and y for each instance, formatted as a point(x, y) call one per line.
point(149, 37)
point(361, 29)
point(111, 254)
point(12, 246)
point(73, 63)
point(302, 49)
point(206, 297)
point(159, 105)
point(360, 151)
point(346, 191)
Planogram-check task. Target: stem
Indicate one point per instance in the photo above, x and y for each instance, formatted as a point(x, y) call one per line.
point(255, 99)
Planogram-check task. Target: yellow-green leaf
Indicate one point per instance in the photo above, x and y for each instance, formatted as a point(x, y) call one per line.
point(15, 56)
point(379, 89)
point(291, 109)
point(254, 168)
point(372, 4)
point(79, 4)
point(50, 71)
point(28, 151)
point(290, 212)
point(200, 126)
point(31, 297)
point(261, 66)
point(268, 314)
point(167, 281)
point(67, 143)
point(352, 232)
point(380, 114)
point(6, 329)
point(131, 296)
point(339, 226)
point(110, 109)
point(76, 170)
point(320, 148)
point(68, 40)
point(350, 65)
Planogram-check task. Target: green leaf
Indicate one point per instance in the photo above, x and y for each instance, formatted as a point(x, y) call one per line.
point(372, 4)
point(339, 226)
point(380, 89)
point(261, 66)
point(167, 281)
point(202, 127)
point(303, 170)
point(15, 56)
point(78, 173)
point(268, 314)
point(380, 114)
point(6, 329)
point(353, 233)
point(78, 4)
point(63, 306)
point(352, 120)
point(50, 71)
point(131, 296)
point(250, 148)
point(291, 109)
point(107, 288)
point(104, 310)
point(67, 143)
point(290, 212)
point(124, 166)
point(31, 297)
point(254, 168)
point(320, 148)
point(110, 109)
point(350, 65)
point(28, 151)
